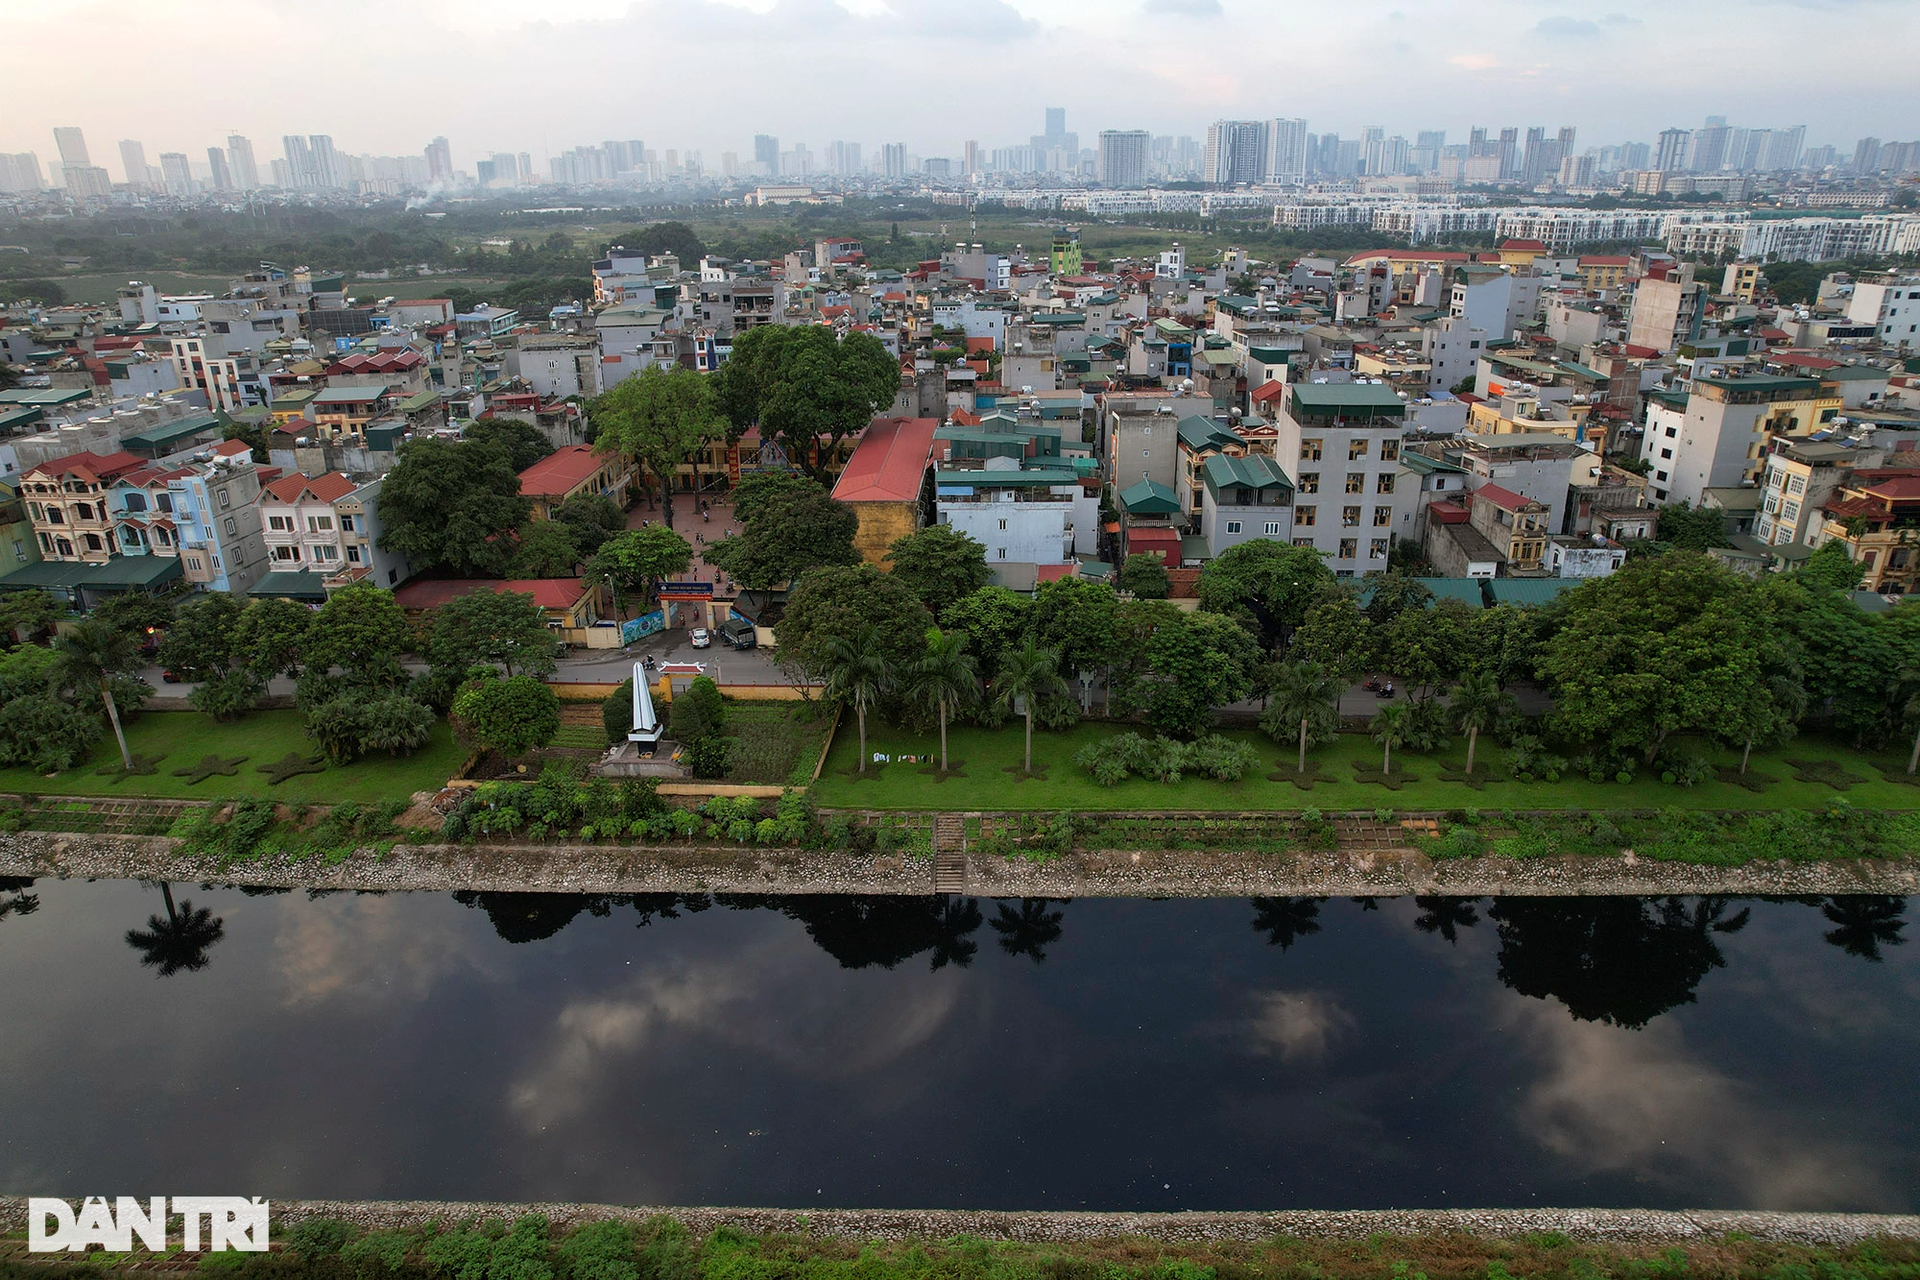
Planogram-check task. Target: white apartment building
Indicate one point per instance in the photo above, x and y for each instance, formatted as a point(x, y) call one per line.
point(1341, 443)
point(1035, 514)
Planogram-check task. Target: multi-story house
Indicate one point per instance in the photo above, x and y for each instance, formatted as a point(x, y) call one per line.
point(1721, 436)
point(218, 517)
point(231, 381)
point(18, 546)
point(1799, 477)
point(328, 524)
point(1244, 498)
point(1038, 511)
point(142, 508)
point(1341, 443)
point(67, 505)
point(1877, 516)
point(345, 411)
point(575, 469)
point(1515, 525)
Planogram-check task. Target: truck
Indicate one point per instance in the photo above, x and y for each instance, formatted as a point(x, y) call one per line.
point(737, 632)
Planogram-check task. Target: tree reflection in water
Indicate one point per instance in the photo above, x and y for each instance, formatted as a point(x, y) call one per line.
point(1029, 929)
point(1286, 920)
point(14, 898)
point(1446, 916)
point(534, 917)
point(863, 930)
point(1623, 961)
point(1865, 924)
point(179, 941)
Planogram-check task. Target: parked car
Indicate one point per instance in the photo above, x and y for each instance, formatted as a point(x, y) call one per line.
point(701, 638)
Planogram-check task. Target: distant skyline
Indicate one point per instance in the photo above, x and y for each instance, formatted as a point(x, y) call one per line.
point(385, 76)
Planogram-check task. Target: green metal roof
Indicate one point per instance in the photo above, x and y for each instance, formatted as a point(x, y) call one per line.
point(1149, 499)
point(1253, 471)
point(303, 584)
point(1761, 383)
point(1467, 590)
point(415, 403)
point(12, 420)
point(1199, 432)
point(1527, 592)
point(157, 438)
point(1366, 398)
point(1423, 465)
point(119, 573)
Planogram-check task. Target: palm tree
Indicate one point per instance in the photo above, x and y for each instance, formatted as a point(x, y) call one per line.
point(177, 942)
point(1477, 703)
point(1028, 674)
point(1302, 691)
point(1865, 924)
point(1286, 920)
point(1028, 931)
point(946, 678)
point(1389, 730)
point(857, 674)
point(1446, 916)
point(91, 653)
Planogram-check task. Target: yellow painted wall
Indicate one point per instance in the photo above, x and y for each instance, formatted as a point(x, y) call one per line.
point(881, 525)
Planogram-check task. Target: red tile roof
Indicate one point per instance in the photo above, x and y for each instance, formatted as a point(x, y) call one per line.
point(96, 466)
point(548, 593)
point(330, 487)
point(1523, 246)
point(385, 361)
point(1268, 392)
point(890, 461)
point(979, 344)
point(1606, 260)
point(1506, 499)
point(1154, 538)
point(1800, 361)
point(1053, 572)
point(1409, 255)
point(561, 471)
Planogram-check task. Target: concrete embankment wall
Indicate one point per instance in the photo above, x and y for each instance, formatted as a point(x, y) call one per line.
point(602, 868)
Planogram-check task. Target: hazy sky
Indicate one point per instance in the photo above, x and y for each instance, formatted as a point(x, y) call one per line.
point(384, 76)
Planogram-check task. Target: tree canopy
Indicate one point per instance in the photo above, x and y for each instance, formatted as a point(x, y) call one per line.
point(846, 602)
point(663, 419)
point(635, 561)
point(485, 626)
point(807, 387)
point(940, 565)
point(1269, 584)
point(524, 443)
point(799, 530)
point(452, 505)
point(512, 716)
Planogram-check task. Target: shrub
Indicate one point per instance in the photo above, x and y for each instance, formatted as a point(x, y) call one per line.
point(386, 1249)
point(320, 1236)
point(45, 732)
point(521, 1254)
point(1112, 760)
point(600, 1251)
point(459, 1255)
point(511, 716)
point(616, 713)
point(697, 712)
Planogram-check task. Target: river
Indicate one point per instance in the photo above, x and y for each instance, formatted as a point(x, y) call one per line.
point(961, 1053)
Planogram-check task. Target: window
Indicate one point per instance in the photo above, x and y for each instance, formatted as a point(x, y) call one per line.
point(56, 516)
point(1660, 475)
point(280, 524)
point(162, 537)
point(1303, 516)
point(1377, 549)
point(353, 555)
point(1349, 548)
point(1797, 485)
point(1385, 483)
point(1791, 511)
point(346, 524)
point(1233, 526)
point(1356, 482)
point(134, 502)
point(1389, 450)
point(1671, 433)
point(319, 524)
point(93, 542)
point(226, 500)
point(1003, 524)
point(1666, 453)
point(164, 501)
point(1003, 553)
point(1356, 449)
point(1273, 528)
point(1349, 516)
point(1310, 451)
point(1309, 482)
point(325, 554)
point(1382, 517)
point(1303, 542)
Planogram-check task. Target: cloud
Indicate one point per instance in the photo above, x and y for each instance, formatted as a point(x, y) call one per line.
point(371, 945)
point(1561, 27)
point(1298, 1025)
point(1474, 61)
point(1619, 1101)
point(1184, 8)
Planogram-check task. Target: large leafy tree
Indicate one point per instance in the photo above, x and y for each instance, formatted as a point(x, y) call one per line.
point(994, 619)
point(1079, 619)
point(636, 561)
point(91, 654)
point(1195, 662)
point(806, 387)
point(1268, 585)
point(523, 442)
point(487, 627)
point(1669, 644)
point(452, 506)
point(760, 491)
point(1689, 528)
point(24, 614)
point(843, 602)
point(1302, 695)
point(787, 538)
point(511, 716)
point(271, 636)
point(939, 564)
point(663, 419)
point(1335, 634)
point(544, 549)
point(590, 518)
point(361, 631)
point(202, 646)
point(1502, 642)
point(1144, 576)
point(1832, 566)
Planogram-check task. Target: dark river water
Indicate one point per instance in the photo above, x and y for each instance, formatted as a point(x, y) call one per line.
point(1107, 1054)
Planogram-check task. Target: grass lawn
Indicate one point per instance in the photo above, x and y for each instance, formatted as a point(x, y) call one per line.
point(982, 759)
point(184, 738)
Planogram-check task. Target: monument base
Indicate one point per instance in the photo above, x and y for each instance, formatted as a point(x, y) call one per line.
point(627, 760)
